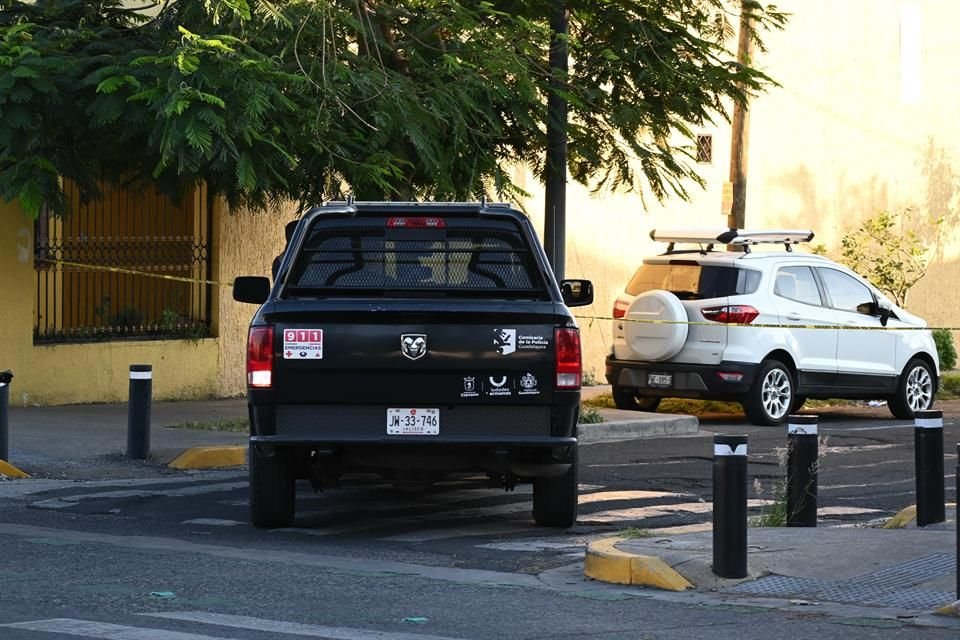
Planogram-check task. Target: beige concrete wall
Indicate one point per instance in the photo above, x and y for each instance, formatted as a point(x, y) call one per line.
point(248, 243)
point(841, 140)
point(80, 373)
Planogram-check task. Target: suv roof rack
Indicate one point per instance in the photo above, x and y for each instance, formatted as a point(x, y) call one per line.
point(737, 237)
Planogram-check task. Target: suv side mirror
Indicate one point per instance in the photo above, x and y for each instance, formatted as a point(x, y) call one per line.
point(252, 289)
point(876, 309)
point(577, 293)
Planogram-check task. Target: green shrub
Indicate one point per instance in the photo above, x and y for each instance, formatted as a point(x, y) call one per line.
point(949, 386)
point(945, 348)
point(589, 415)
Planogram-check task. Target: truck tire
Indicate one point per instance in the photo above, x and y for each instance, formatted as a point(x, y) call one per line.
point(771, 398)
point(555, 499)
point(272, 489)
point(915, 390)
point(624, 398)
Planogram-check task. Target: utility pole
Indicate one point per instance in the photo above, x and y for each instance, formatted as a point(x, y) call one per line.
point(740, 135)
point(554, 228)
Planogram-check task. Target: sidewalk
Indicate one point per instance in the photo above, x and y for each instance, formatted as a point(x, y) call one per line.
point(904, 574)
point(86, 442)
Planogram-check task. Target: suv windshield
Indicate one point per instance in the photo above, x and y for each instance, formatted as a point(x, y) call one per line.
point(374, 255)
point(691, 281)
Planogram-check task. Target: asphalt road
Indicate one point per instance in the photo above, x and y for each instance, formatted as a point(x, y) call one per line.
point(174, 552)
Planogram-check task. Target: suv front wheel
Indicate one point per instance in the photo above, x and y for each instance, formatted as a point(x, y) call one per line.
point(772, 395)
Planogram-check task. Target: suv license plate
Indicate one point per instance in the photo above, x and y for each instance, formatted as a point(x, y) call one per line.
point(413, 422)
point(659, 379)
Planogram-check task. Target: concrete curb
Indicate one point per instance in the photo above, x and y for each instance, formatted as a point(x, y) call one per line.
point(210, 458)
point(7, 469)
point(649, 425)
point(606, 563)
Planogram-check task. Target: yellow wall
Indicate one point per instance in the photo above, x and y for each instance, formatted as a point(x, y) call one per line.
point(81, 373)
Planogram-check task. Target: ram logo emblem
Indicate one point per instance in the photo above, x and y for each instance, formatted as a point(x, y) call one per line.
point(413, 345)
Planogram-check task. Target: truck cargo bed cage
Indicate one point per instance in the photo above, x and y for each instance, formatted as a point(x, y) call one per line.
point(735, 237)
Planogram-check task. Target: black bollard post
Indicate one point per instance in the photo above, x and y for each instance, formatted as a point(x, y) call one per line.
point(730, 506)
point(138, 411)
point(5, 378)
point(957, 518)
point(803, 449)
point(928, 452)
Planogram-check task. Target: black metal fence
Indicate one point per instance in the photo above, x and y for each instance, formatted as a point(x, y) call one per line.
point(130, 265)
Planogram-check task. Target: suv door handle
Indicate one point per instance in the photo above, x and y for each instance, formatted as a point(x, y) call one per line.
point(793, 316)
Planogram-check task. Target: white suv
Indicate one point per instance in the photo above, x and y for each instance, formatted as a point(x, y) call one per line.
point(767, 329)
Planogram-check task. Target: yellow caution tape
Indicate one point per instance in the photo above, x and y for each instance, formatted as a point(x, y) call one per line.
point(762, 325)
point(704, 323)
point(134, 272)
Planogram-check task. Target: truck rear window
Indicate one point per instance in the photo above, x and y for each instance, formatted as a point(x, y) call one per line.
point(465, 255)
point(691, 281)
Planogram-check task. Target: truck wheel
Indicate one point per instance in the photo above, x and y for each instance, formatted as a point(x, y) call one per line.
point(771, 397)
point(272, 489)
point(914, 390)
point(628, 399)
point(555, 499)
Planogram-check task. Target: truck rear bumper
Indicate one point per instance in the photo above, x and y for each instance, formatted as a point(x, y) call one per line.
point(465, 441)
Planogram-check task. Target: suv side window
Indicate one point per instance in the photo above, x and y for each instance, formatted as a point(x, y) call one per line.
point(797, 283)
point(846, 293)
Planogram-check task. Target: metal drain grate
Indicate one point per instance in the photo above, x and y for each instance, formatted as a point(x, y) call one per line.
point(889, 587)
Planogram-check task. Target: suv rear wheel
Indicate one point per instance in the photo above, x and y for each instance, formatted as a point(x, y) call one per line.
point(272, 489)
point(624, 398)
point(914, 391)
point(555, 499)
point(772, 395)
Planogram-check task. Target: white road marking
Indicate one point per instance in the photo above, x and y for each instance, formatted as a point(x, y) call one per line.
point(637, 513)
point(105, 630)
point(214, 522)
point(881, 428)
point(64, 502)
point(845, 511)
point(609, 496)
point(530, 545)
point(485, 529)
point(291, 628)
point(22, 488)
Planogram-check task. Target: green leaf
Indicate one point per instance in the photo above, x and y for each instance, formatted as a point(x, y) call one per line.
point(111, 84)
point(187, 63)
point(25, 72)
point(246, 176)
point(31, 198)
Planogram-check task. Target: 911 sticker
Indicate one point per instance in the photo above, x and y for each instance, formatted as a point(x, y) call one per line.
point(303, 344)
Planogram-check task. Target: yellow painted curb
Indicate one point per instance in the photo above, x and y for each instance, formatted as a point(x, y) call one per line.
point(949, 610)
point(11, 471)
point(210, 457)
point(902, 519)
point(606, 563)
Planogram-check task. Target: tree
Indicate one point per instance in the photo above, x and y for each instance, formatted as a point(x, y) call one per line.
point(308, 99)
point(888, 251)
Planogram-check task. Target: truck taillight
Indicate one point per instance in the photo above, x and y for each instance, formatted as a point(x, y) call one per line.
point(260, 357)
point(731, 314)
point(569, 366)
point(620, 308)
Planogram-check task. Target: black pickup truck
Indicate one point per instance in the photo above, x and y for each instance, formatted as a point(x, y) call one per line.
point(413, 340)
